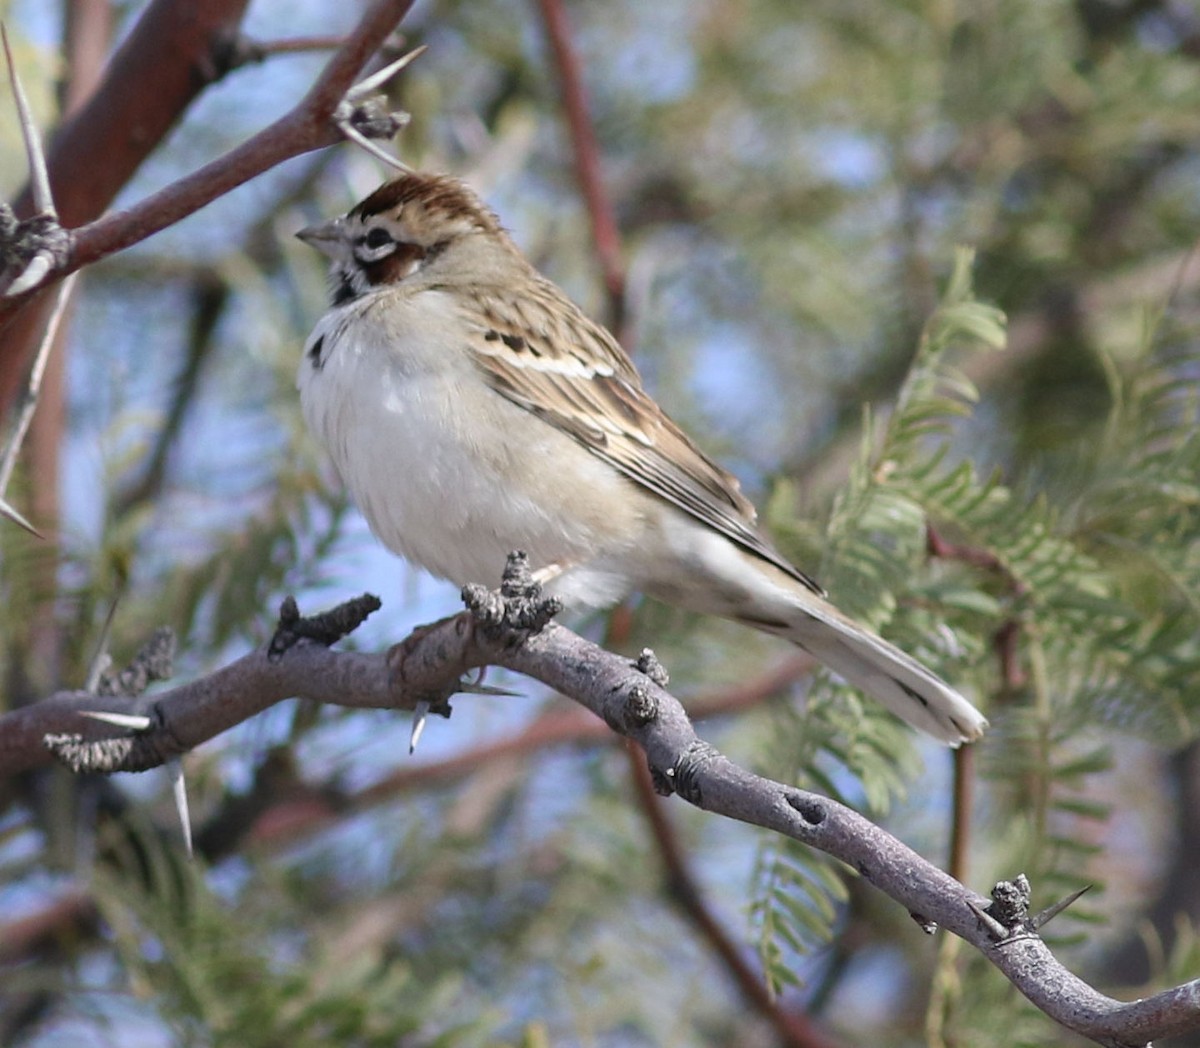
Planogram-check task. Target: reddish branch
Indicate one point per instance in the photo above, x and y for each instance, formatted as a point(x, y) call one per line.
point(87, 33)
point(792, 1029)
point(587, 163)
point(306, 127)
point(49, 928)
point(962, 807)
point(1007, 641)
point(972, 555)
point(163, 65)
point(250, 51)
point(1006, 638)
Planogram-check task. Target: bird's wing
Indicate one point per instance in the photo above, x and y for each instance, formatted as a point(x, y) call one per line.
point(541, 352)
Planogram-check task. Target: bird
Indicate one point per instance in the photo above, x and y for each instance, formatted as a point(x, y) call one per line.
point(472, 410)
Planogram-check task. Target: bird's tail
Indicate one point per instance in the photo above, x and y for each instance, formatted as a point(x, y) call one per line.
point(885, 673)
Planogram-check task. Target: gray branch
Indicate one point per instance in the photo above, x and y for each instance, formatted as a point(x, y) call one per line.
point(509, 630)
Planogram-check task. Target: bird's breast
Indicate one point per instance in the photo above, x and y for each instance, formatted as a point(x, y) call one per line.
point(447, 472)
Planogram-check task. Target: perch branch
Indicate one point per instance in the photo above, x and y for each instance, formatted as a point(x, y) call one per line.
point(511, 631)
point(794, 1029)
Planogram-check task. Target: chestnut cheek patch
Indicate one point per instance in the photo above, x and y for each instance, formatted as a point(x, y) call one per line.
point(396, 265)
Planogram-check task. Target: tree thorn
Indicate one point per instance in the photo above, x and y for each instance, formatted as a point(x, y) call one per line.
point(361, 118)
point(382, 76)
point(994, 928)
point(101, 660)
point(132, 721)
point(8, 461)
point(1040, 920)
point(7, 511)
point(420, 713)
point(39, 178)
point(179, 789)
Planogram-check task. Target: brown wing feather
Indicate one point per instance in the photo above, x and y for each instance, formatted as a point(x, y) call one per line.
point(542, 353)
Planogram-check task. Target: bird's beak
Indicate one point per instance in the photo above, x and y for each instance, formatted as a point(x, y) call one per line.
point(326, 238)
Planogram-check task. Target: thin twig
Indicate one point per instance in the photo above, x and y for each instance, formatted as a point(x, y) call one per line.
point(975, 556)
point(945, 984)
point(960, 827)
point(795, 1031)
point(30, 400)
point(248, 51)
point(209, 296)
point(587, 164)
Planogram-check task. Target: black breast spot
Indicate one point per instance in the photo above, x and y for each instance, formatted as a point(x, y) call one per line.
point(314, 353)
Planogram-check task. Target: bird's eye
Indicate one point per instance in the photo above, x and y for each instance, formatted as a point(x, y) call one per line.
point(377, 237)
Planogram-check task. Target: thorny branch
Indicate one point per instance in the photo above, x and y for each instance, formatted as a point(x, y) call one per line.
point(113, 120)
point(209, 290)
point(37, 252)
point(795, 1029)
point(792, 1025)
point(310, 125)
point(631, 703)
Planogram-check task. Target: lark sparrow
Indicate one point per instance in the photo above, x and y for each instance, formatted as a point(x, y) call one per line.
point(472, 409)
